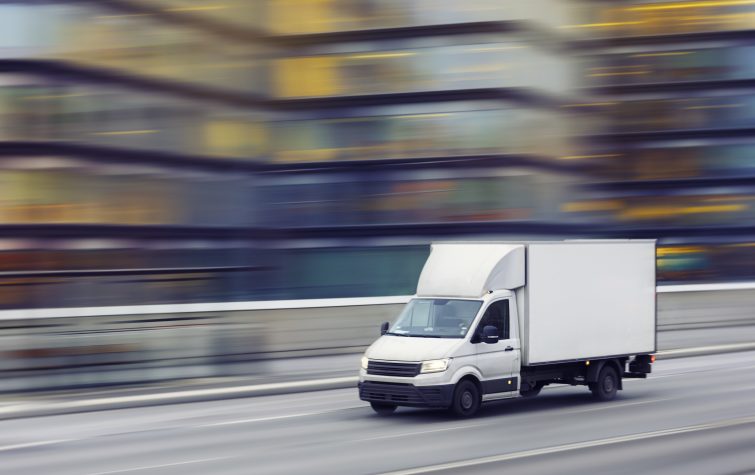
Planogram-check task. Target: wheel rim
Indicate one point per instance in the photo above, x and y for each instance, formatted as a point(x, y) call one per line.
point(466, 400)
point(608, 384)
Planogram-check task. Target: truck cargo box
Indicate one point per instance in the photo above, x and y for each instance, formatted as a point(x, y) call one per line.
point(576, 299)
point(587, 299)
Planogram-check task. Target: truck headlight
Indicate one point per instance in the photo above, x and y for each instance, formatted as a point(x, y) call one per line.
point(365, 361)
point(434, 366)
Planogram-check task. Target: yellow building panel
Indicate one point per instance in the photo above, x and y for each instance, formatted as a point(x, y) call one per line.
point(300, 16)
point(307, 77)
point(234, 138)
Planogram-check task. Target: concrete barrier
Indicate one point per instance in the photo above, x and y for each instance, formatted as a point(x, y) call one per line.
point(63, 348)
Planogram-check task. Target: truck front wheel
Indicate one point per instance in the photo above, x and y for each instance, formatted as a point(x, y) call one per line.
point(604, 389)
point(466, 399)
point(382, 408)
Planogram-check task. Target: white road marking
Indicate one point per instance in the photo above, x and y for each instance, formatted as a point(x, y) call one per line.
point(7, 448)
point(496, 422)
point(213, 424)
point(616, 405)
point(575, 446)
point(150, 467)
point(249, 390)
point(489, 423)
point(421, 432)
point(273, 418)
point(707, 349)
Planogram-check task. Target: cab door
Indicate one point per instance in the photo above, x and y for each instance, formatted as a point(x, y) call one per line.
point(498, 362)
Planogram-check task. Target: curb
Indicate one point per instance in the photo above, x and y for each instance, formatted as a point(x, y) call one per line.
point(705, 350)
point(177, 397)
point(31, 409)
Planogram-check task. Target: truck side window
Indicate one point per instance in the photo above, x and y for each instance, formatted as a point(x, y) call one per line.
point(497, 315)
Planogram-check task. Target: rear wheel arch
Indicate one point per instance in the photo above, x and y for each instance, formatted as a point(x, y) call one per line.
point(594, 370)
point(607, 384)
point(619, 370)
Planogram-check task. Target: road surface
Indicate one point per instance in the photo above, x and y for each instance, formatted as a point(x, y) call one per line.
point(693, 416)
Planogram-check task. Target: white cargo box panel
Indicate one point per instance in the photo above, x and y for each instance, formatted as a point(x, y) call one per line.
point(587, 299)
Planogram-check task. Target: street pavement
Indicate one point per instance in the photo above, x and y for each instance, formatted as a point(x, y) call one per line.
point(693, 415)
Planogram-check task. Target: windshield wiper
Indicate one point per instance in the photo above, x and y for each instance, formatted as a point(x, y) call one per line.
point(428, 336)
point(396, 334)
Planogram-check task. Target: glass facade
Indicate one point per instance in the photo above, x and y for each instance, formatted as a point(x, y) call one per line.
point(670, 82)
point(463, 62)
point(439, 130)
point(186, 151)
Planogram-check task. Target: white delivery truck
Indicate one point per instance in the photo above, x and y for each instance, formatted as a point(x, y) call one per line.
point(496, 320)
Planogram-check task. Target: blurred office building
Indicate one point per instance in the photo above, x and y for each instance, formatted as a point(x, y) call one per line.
point(198, 151)
point(672, 83)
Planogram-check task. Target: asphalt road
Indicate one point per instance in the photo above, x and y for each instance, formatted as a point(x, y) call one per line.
point(693, 416)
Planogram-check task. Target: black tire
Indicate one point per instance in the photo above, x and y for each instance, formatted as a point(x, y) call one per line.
point(532, 391)
point(605, 388)
point(382, 408)
point(466, 401)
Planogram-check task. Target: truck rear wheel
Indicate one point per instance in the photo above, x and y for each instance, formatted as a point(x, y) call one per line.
point(382, 408)
point(604, 389)
point(466, 399)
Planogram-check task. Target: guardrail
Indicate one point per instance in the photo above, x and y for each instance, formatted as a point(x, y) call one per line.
point(43, 348)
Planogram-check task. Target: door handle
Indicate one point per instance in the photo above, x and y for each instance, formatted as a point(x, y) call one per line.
point(509, 348)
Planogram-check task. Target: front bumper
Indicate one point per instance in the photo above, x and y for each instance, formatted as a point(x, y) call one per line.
point(405, 394)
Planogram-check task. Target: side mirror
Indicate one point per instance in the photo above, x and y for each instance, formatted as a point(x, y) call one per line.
point(490, 334)
point(384, 328)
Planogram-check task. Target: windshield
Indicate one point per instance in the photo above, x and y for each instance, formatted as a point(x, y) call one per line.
point(436, 318)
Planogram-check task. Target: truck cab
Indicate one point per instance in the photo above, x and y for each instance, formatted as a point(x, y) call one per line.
point(440, 341)
point(461, 340)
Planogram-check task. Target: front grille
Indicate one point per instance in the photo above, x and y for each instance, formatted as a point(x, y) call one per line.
point(403, 394)
point(391, 393)
point(385, 368)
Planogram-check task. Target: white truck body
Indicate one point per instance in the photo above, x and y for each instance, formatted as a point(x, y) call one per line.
point(577, 299)
point(556, 306)
point(588, 299)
